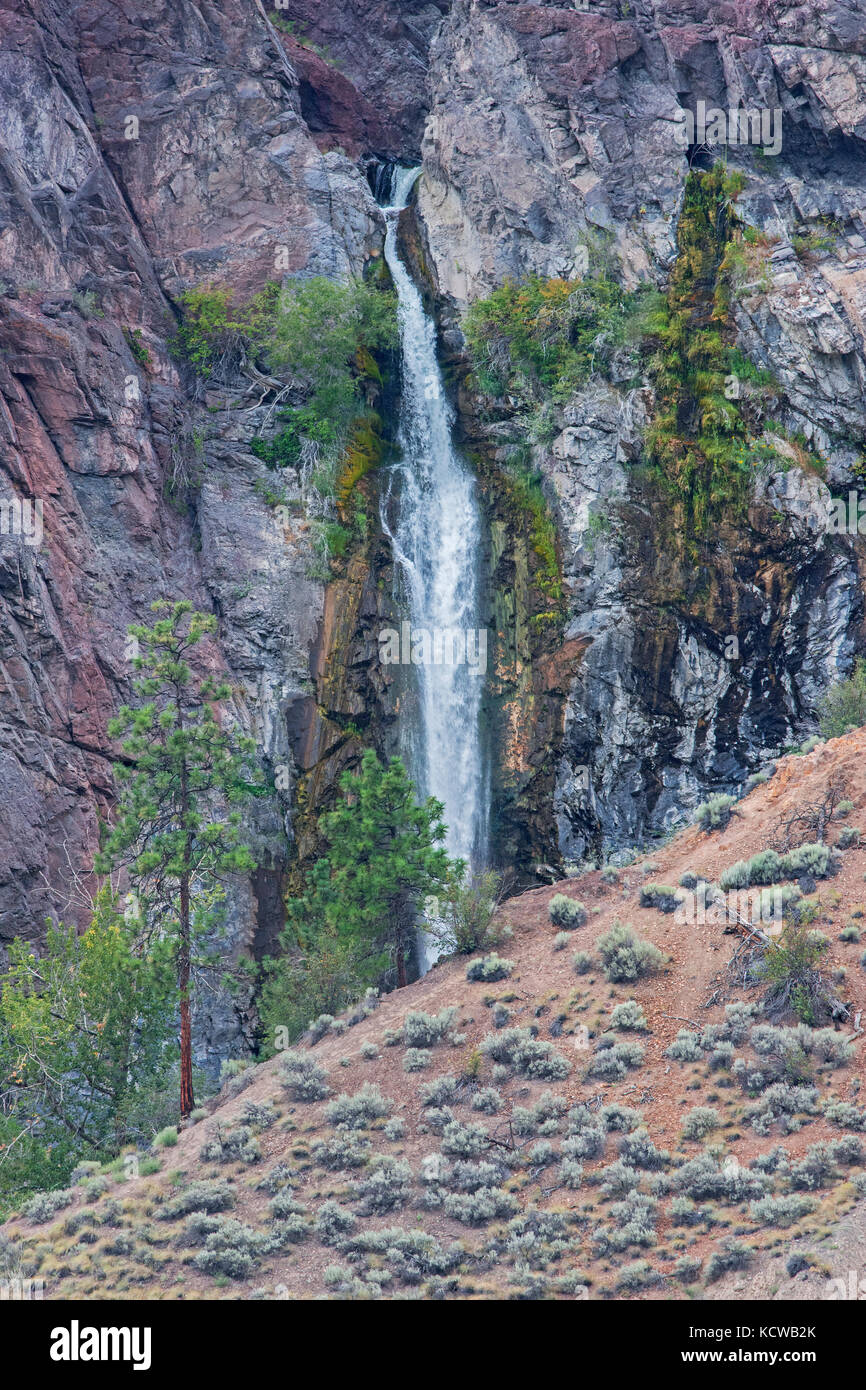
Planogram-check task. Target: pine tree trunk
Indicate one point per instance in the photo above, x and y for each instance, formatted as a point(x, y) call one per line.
point(187, 1100)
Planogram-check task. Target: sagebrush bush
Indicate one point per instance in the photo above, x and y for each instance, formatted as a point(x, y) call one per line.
point(303, 1078)
point(464, 1140)
point(639, 1151)
point(588, 1143)
point(619, 1117)
point(582, 962)
point(714, 813)
point(438, 1092)
point(815, 1169)
point(541, 1153)
point(360, 1110)
point(417, 1059)
point(489, 968)
point(781, 1211)
point(845, 1115)
point(342, 1151)
point(488, 1100)
point(628, 1016)
point(527, 1055)
point(701, 1178)
point(699, 1122)
point(333, 1223)
point(686, 1047)
point(238, 1145)
point(233, 1249)
point(565, 912)
point(634, 1277)
point(206, 1196)
point(570, 1173)
point(426, 1030)
point(612, 1062)
point(730, 1255)
point(44, 1205)
point(561, 940)
point(385, 1186)
point(687, 1268)
point(684, 1212)
point(781, 1104)
point(479, 1207)
point(627, 956)
point(660, 896)
point(618, 1179)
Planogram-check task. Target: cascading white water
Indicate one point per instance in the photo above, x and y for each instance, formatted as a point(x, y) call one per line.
point(435, 531)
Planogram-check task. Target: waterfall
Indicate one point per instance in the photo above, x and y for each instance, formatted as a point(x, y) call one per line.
point(430, 512)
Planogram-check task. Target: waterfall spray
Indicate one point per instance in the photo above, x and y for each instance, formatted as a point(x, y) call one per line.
point(435, 531)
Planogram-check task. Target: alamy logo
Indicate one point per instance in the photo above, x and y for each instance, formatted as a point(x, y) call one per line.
point(20, 1290)
point(848, 1290)
point(76, 1343)
point(738, 126)
point(21, 517)
point(421, 646)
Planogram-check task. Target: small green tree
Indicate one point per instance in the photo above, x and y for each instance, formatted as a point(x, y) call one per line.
point(385, 856)
point(360, 908)
point(85, 1042)
point(844, 706)
point(174, 829)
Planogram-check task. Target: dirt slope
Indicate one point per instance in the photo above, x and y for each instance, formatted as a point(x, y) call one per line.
point(537, 1227)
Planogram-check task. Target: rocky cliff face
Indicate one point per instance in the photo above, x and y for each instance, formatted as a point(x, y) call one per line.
point(549, 127)
point(144, 154)
point(150, 151)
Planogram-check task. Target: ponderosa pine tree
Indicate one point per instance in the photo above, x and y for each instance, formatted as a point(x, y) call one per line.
point(385, 855)
point(174, 828)
point(85, 1047)
point(360, 907)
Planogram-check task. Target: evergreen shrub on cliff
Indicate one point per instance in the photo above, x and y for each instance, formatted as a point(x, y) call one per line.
point(843, 708)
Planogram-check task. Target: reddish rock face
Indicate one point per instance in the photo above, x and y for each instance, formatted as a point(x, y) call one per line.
point(149, 149)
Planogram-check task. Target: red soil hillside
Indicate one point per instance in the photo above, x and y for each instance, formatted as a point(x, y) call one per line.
point(531, 1177)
